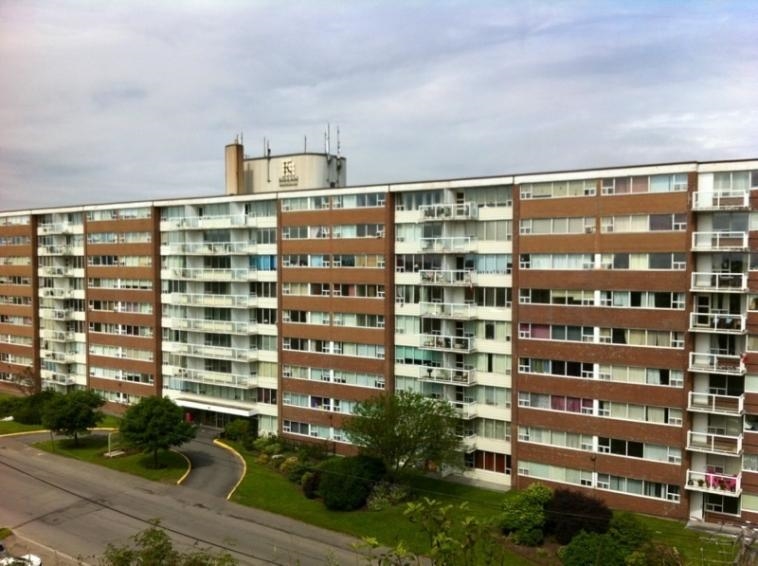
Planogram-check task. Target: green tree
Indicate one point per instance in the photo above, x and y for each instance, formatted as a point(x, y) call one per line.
point(406, 431)
point(524, 514)
point(455, 538)
point(153, 546)
point(73, 413)
point(155, 423)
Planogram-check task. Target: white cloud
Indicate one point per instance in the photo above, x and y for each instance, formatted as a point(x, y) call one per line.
point(105, 100)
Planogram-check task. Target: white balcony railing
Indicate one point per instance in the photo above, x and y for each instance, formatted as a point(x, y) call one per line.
point(460, 344)
point(719, 282)
point(729, 485)
point(203, 300)
point(714, 443)
point(721, 200)
point(466, 409)
point(207, 248)
point(721, 323)
point(447, 277)
point(214, 377)
point(719, 241)
point(728, 364)
point(451, 211)
point(454, 311)
point(733, 405)
point(217, 326)
point(447, 244)
point(456, 376)
point(203, 274)
point(214, 352)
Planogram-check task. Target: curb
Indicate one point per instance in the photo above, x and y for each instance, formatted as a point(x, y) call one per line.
point(189, 467)
point(225, 446)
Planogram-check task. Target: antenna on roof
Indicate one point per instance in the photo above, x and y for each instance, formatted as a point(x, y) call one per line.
point(328, 138)
point(338, 141)
point(305, 144)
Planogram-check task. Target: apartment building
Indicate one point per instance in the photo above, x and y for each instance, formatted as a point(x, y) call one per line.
point(594, 329)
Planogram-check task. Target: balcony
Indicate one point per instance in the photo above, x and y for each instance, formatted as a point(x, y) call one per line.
point(202, 300)
point(203, 274)
point(56, 293)
point(727, 364)
point(713, 403)
point(714, 443)
point(460, 244)
point(729, 485)
point(451, 211)
point(719, 241)
point(456, 376)
point(465, 409)
point(721, 200)
point(215, 378)
point(56, 377)
point(446, 343)
point(719, 282)
point(718, 322)
point(451, 311)
point(214, 352)
point(455, 277)
point(208, 248)
point(217, 326)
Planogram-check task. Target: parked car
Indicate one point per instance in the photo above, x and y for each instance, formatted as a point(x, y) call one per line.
point(25, 560)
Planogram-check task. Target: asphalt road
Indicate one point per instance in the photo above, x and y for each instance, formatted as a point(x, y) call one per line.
point(215, 471)
point(78, 508)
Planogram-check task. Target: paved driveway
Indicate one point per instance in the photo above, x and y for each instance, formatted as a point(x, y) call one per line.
point(215, 471)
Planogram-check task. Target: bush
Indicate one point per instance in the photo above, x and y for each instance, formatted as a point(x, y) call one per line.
point(262, 459)
point(238, 429)
point(312, 452)
point(8, 405)
point(593, 548)
point(288, 465)
point(385, 495)
point(523, 514)
point(28, 410)
point(630, 533)
point(569, 512)
point(268, 445)
point(310, 482)
point(296, 473)
point(346, 482)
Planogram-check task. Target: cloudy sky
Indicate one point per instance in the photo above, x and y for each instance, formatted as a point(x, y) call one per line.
point(110, 101)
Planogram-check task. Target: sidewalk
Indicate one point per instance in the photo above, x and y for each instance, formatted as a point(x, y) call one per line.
point(17, 545)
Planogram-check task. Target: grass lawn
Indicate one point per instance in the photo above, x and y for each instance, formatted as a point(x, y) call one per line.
point(266, 489)
point(93, 447)
point(694, 546)
point(8, 427)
